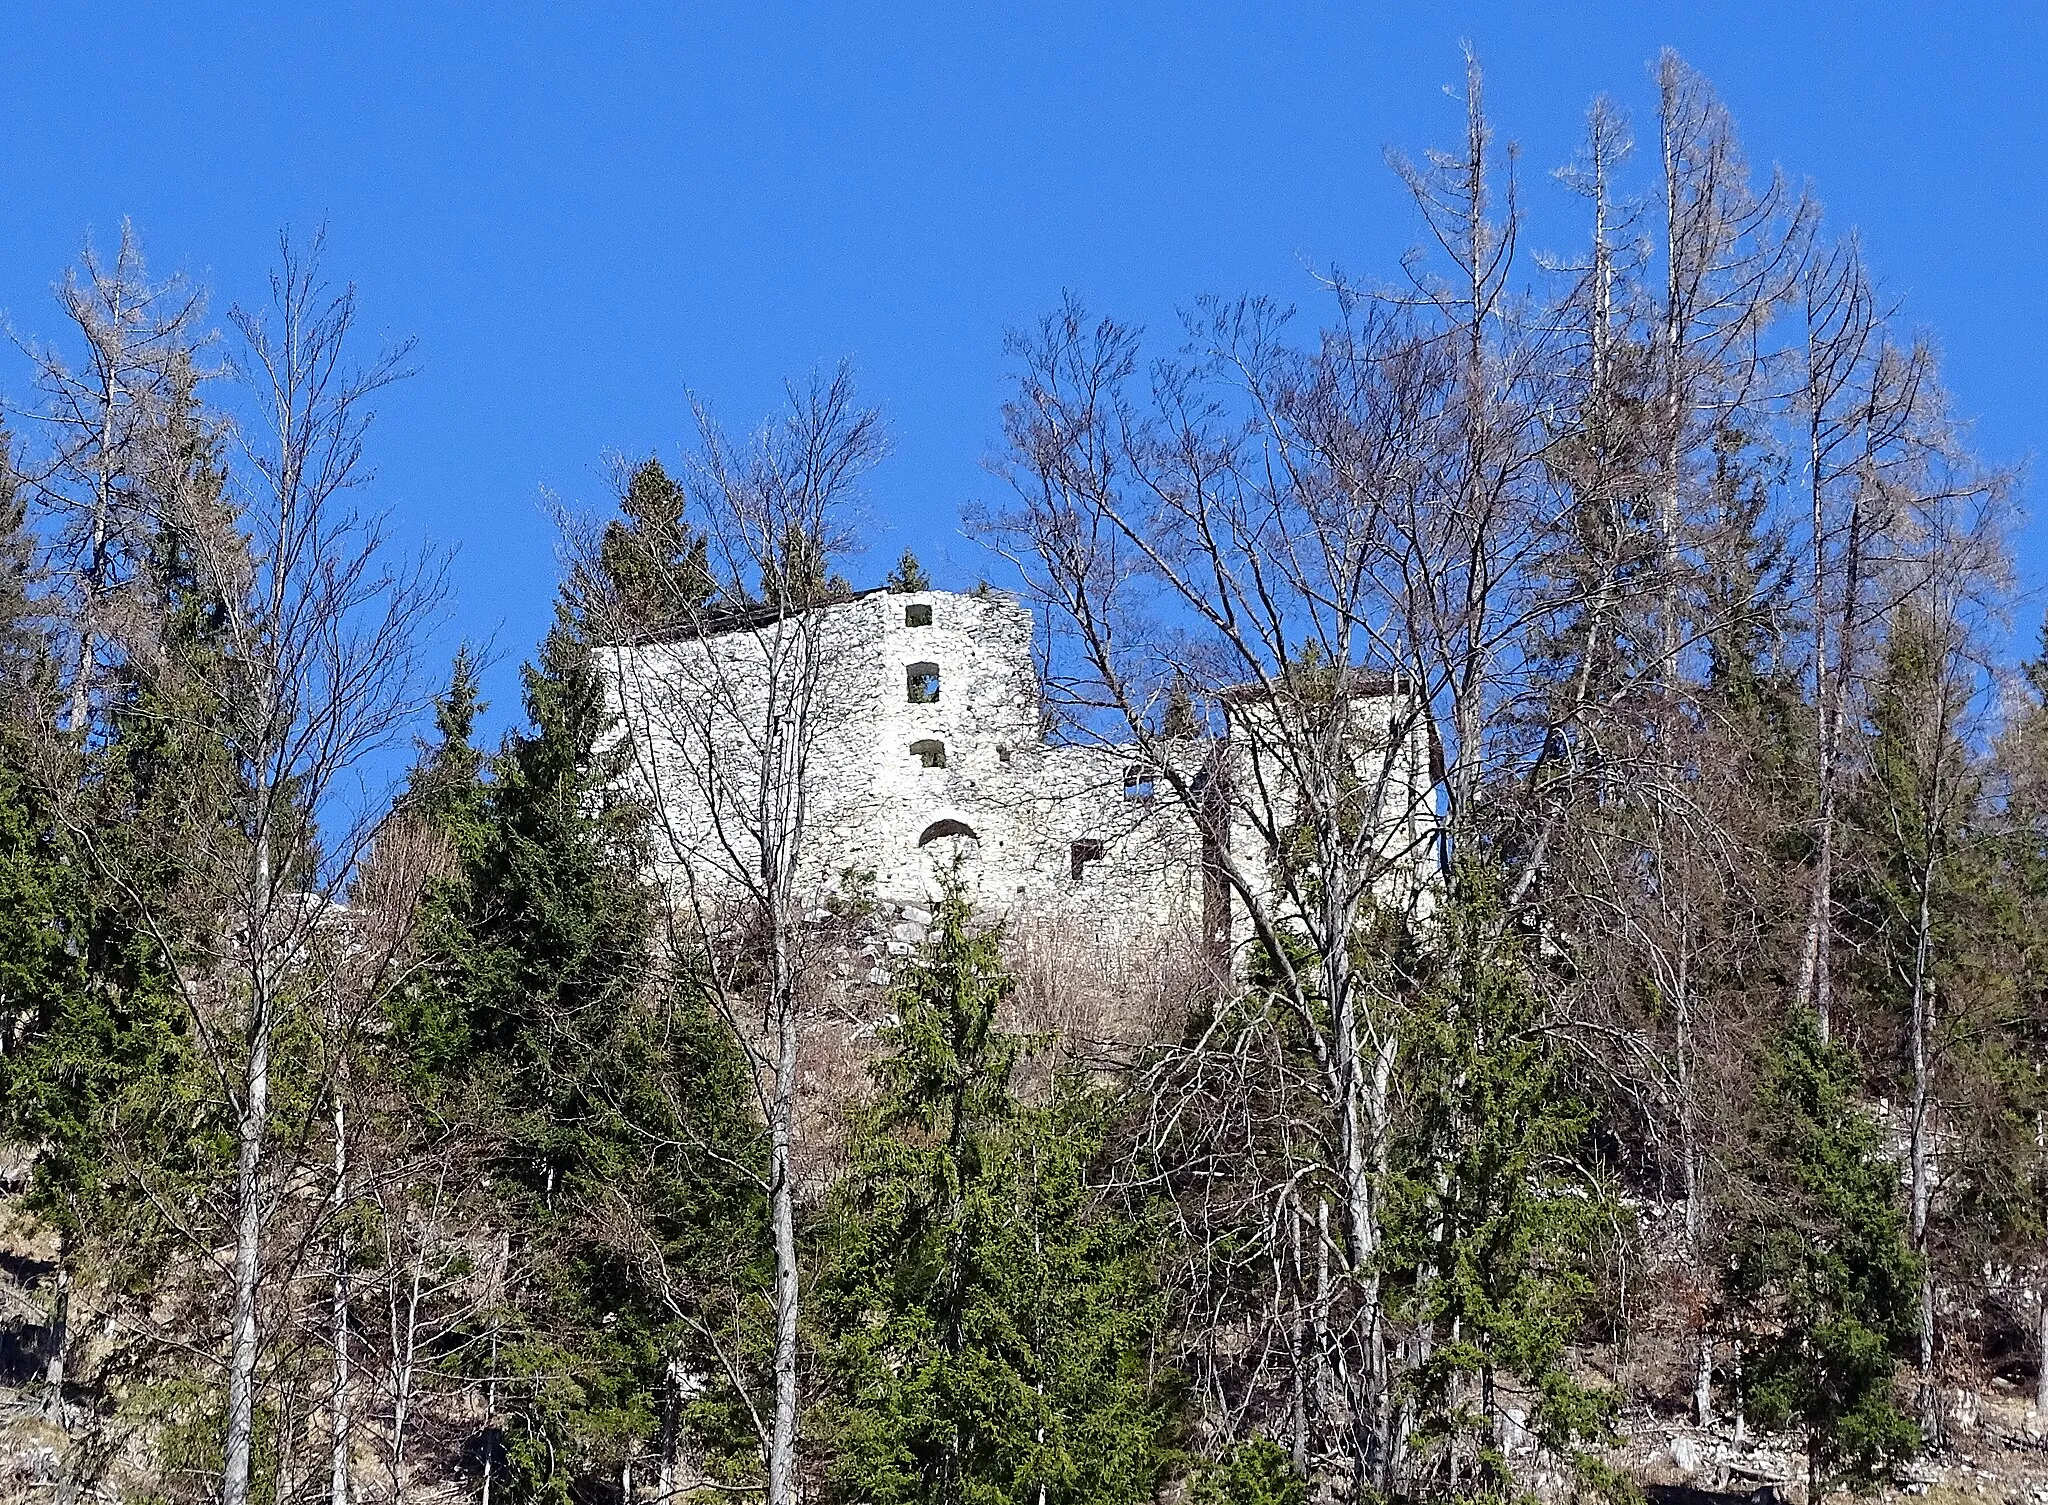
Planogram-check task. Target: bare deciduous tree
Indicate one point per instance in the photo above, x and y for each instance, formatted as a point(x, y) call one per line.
point(315, 668)
point(721, 718)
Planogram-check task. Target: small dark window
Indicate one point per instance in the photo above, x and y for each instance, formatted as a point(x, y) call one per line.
point(1080, 854)
point(917, 616)
point(1138, 781)
point(921, 684)
point(931, 752)
point(941, 828)
point(1003, 756)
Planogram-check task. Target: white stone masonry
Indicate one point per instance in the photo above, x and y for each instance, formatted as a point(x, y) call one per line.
point(924, 746)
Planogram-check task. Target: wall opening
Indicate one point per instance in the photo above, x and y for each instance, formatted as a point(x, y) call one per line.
point(1002, 755)
point(918, 616)
point(921, 684)
point(931, 752)
point(1139, 780)
point(1080, 854)
point(939, 829)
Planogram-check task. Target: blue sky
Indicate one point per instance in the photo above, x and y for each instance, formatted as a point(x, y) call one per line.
point(581, 210)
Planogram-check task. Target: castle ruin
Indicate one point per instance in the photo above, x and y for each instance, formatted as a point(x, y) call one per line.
point(926, 746)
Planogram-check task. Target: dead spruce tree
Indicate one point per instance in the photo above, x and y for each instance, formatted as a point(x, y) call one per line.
point(1658, 551)
point(97, 433)
point(723, 697)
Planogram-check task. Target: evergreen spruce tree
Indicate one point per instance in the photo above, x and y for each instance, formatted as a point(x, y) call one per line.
point(1994, 1179)
point(796, 577)
point(614, 1104)
point(1824, 1281)
point(908, 576)
point(655, 566)
point(1180, 721)
point(1494, 1222)
point(553, 926)
point(988, 1319)
point(447, 795)
point(100, 1074)
point(446, 783)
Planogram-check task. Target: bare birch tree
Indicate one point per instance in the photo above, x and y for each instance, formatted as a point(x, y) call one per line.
point(722, 711)
point(316, 669)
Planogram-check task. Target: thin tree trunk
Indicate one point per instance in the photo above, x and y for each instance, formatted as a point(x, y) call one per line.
point(1298, 1344)
point(60, 1332)
point(2041, 1344)
point(671, 1434)
point(1319, 1319)
point(255, 1120)
point(248, 1249)
point(491, 1376)
point(1816, 982)
point(96, 567)
point(1357, 1133)
point(407, 1346)
point(1741, 1414)
point(1695, 1211)
point(782, 1208)
point(1703, 1377)
point(338, 1490)
point(1922, 1151)
point(1812, 988)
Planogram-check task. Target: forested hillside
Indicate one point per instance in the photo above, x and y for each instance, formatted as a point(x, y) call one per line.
point(384, 1140)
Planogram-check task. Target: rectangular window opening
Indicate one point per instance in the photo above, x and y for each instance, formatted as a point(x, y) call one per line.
point(1080, 854)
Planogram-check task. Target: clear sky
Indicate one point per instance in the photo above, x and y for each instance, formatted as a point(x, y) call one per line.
point(579, 210)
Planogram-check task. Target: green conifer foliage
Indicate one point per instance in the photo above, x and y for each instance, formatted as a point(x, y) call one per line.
point(1181, 721)
point(1494, 1220)
point(796, 575)
point(1824, 1282)
point(447, 796)
point(989, 1319)
point(1255, 1472)
point(654, 563)
point(612, 1100)
point(908, 576)
point(555, 927)
point(100, 1075)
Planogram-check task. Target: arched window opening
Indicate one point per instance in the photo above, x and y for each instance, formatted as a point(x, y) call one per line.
point(1138, 781)
point(1003, 754)
point(919, 615)
point(939, 829)
point(1080, 854)
point(921, 684)
point(931, 752)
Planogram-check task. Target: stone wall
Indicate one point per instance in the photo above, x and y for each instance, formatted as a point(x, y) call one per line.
point(924, 749)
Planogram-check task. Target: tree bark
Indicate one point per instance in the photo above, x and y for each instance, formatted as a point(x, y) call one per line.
point(2041, 1343)
point(782, 1211)
point(242, 1350)
point(1695, 1211)
point(59, 1338)
point(1921, 1149)
point(342, 1421)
